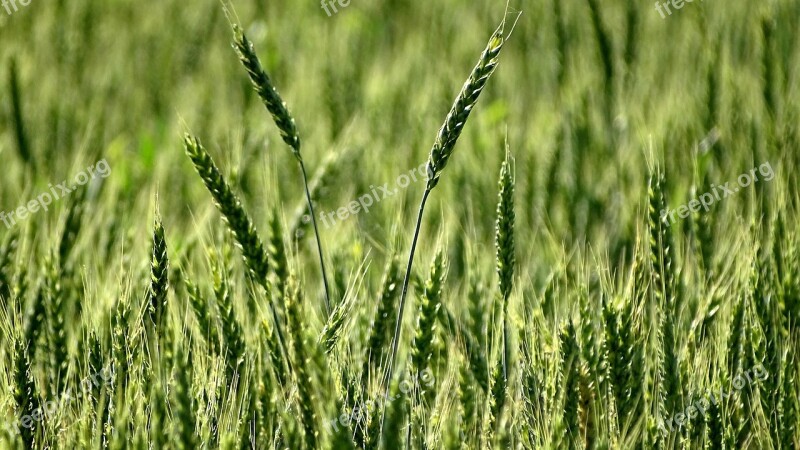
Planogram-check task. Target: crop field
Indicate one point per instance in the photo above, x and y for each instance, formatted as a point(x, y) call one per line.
point(255, 224)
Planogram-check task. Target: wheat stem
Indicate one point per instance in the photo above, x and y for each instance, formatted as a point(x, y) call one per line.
point(399, 321)
point(316, 234)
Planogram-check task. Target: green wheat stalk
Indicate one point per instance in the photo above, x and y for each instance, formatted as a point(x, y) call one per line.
point(440, 154)
point(300, 359)
point(504, 246)
point(286, 124)
point(184, 417)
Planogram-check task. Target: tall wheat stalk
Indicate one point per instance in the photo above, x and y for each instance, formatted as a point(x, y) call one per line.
point(504, 243)
point(285, 122)
point(505, 261)
point(439, 156)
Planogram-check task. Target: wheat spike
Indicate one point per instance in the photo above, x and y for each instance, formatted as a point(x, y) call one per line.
point(203, 312)
point(332, 331)
point(34, 320)
point(465, 102)
point(255, 257)
point(429, 305)
point(505, 251)
point(20, 135)
point(266, 90)
point(232, 332)
point(277, 252)
point(7, 254)
point(382, 321)
point(25, 393)
point(570, 370)
point(55, 307)
point(159, 275)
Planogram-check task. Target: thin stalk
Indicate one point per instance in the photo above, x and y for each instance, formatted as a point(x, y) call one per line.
point(316, 234)
point(506, 348)
point(398, 325)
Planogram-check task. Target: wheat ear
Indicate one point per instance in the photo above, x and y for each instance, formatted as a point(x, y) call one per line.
point(280, 114)
point(504, 243)
point(255, 257)
point(429, 305)
point(159, 271)
point(232, 332)
point(23, 147)
point(247, 239)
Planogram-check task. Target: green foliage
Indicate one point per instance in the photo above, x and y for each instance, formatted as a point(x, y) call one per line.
point(583, 307)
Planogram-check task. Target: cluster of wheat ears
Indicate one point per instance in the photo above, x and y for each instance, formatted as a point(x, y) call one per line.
point(617, 371)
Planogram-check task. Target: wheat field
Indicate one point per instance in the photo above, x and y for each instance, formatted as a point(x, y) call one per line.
point(378, 225)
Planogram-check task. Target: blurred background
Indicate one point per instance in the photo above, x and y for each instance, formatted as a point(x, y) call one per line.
point(370, 86)
point(590, 98)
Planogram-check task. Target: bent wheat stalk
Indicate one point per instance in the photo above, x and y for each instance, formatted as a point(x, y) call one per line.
point(437, 160)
